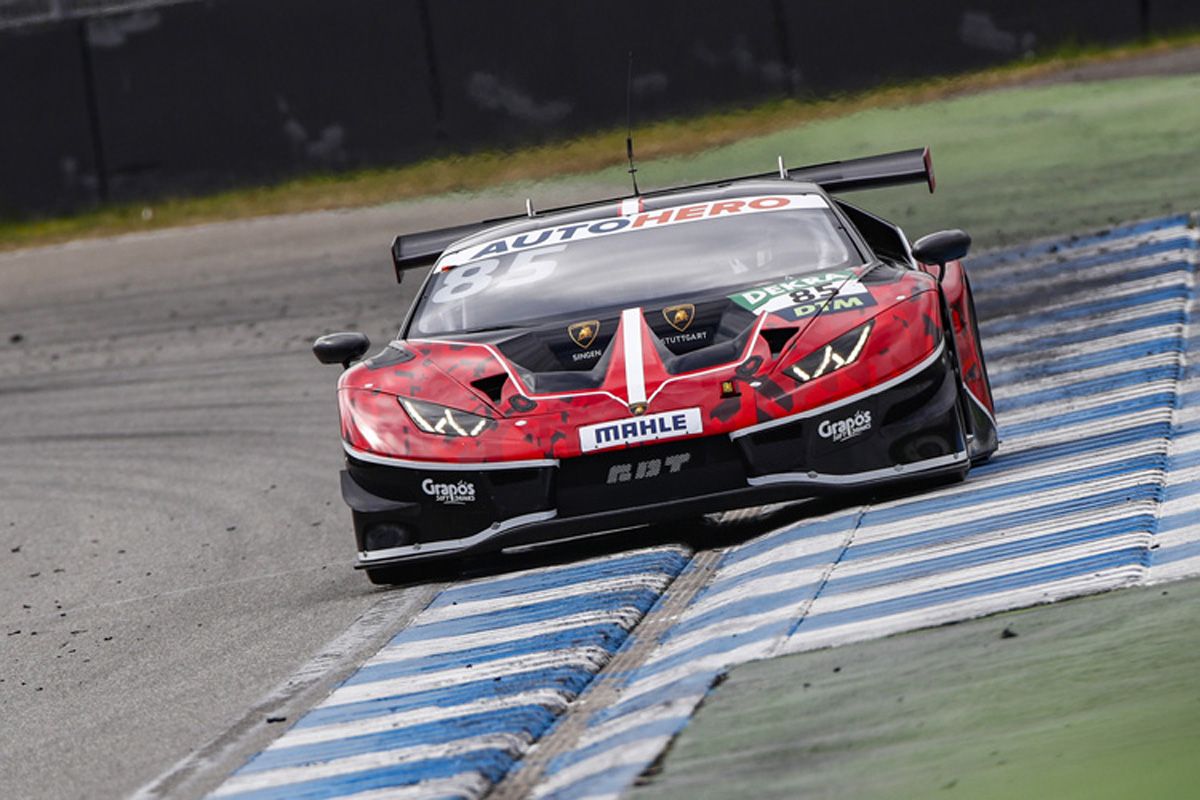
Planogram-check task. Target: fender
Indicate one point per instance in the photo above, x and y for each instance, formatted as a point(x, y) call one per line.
point(967, 359)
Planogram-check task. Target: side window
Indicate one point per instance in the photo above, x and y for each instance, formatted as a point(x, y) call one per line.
point(884, 238)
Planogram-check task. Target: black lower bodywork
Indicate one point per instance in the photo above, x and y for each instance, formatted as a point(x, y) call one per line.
point(925, 426)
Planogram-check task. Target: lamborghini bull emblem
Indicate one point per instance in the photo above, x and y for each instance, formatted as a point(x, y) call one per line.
point(584, 333)
point(680, 317)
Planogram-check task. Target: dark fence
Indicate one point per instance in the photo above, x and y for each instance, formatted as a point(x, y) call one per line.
point(190, 96)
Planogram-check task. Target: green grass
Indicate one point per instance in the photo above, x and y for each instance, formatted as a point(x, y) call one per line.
point(1054, 147)
point(1095, 698)
point(1012, 164)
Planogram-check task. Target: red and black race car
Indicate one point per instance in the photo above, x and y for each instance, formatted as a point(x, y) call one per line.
point(670, 354)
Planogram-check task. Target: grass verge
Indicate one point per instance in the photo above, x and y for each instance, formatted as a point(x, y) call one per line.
point(1092, 698)
point(670, 139)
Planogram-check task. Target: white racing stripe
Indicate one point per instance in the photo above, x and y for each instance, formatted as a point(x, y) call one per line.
point(635, 370)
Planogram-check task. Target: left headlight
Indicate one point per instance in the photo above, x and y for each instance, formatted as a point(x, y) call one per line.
point(443, 421)
point(840, 352)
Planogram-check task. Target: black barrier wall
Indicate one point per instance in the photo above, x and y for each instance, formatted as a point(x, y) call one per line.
point(208, 94)
point(46, 155)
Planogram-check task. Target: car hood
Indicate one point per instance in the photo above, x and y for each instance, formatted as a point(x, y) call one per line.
point(725, 353)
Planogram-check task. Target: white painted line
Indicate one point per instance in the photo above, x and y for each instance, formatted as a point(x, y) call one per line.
point(590, 658)
point(315, 770)
point(626, 617)
point(468, 608)
point(1100, 581)
point(549, 698)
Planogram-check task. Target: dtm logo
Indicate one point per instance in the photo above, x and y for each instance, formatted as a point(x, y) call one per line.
point(452, 494)
point(650, 468)
point(842, 429)
point(648, 428)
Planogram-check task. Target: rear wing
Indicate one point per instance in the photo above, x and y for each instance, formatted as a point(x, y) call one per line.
point(890, 169)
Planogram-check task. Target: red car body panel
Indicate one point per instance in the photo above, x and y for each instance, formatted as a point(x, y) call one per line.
point(906, 332)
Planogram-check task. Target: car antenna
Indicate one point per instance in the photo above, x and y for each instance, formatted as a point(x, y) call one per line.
point(629, 126)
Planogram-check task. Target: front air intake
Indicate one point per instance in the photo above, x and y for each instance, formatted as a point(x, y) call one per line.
point(492, 386)
point(777, 338)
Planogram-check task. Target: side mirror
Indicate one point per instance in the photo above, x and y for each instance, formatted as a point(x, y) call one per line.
point(341, 348)
point(941, 247)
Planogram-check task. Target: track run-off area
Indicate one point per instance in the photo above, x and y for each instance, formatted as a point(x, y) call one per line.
point(570, 680)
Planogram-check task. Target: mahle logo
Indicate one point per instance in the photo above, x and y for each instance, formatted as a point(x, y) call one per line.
point(641, 427)
point(452, 494)
point(839, 430)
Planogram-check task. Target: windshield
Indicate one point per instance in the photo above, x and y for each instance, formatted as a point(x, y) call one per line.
point(690, 250)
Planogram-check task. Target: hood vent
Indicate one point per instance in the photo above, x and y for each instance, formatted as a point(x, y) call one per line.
point(777, 338)
point(492, 386)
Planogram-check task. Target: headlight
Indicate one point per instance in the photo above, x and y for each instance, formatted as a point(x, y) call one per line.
point(841, 351)
point(443, 421)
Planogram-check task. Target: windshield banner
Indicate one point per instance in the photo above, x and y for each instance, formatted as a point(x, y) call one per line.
point(650, 219)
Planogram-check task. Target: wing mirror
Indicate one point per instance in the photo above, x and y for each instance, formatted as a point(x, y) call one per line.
point(941, 247)
point(341, 348)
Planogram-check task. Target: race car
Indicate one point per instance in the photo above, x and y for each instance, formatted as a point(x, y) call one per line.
point(659, 356)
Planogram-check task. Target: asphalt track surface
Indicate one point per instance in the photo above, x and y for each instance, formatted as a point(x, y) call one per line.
point(172, 541)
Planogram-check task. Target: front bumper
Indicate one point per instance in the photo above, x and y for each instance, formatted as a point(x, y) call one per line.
point(908, 427)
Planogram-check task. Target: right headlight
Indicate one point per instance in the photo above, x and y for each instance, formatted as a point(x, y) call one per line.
point(444, 421)
point(841, 352)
